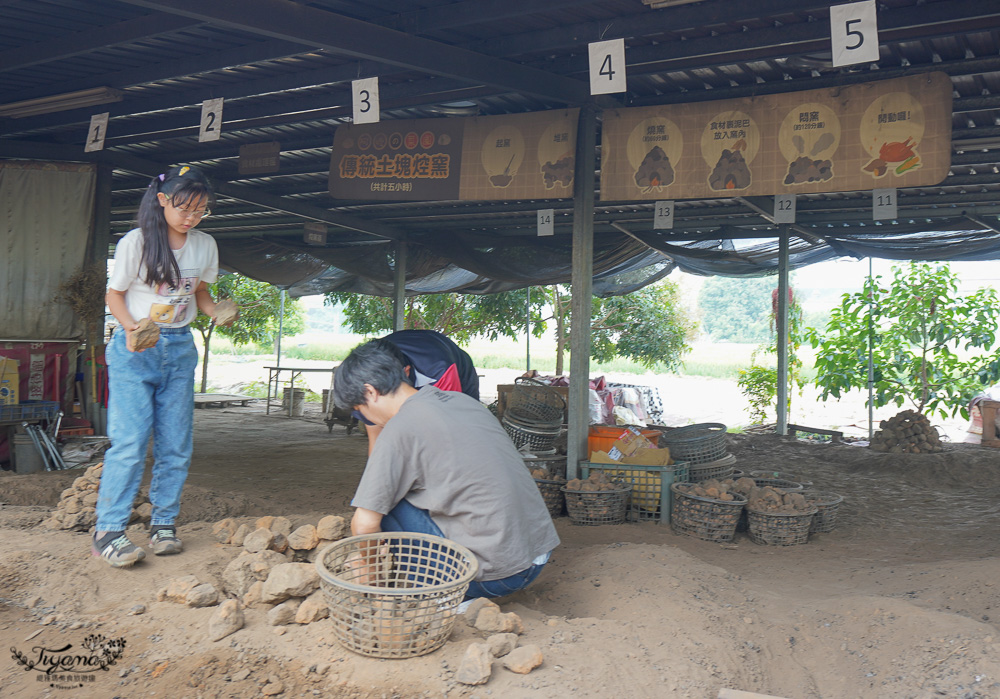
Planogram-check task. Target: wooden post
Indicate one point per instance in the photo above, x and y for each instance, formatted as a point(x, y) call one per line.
point(583, 282)
point(399, 288)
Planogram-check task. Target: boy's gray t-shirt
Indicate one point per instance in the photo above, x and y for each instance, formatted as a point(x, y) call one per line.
point(446, 453)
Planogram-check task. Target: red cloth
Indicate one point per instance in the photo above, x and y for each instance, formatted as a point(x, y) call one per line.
point(449, 380)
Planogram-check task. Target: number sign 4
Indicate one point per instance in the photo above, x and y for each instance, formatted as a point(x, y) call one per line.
point(607, 67)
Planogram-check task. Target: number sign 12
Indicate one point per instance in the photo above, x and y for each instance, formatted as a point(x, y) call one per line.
point(663, 215)
point(854, 33)
point(607, 67)
point(546, 224)
point(211, 120)
point(784, 208)
point(98, 129)
point(883, 204)
point(365, 99)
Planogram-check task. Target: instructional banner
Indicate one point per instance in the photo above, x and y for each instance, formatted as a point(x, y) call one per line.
point(891, 133)
point(518, 156)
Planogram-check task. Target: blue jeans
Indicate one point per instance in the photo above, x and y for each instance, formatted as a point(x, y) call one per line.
point(406, 517)
point(151, 392)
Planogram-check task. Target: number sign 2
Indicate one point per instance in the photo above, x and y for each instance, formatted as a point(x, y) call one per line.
point(784, 208)
point(95, 135)
point(607, 67)
point(211, 120)
point(854, 33)
point(546, 225)
point(365, 98)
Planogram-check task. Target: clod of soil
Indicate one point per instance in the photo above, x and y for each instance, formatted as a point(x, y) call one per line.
point(146, 335)
point(908, 432)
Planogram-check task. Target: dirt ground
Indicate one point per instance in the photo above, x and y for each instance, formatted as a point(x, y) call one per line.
point(898, 601)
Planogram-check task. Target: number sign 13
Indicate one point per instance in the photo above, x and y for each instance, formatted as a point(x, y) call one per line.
point(854, 33)
point(607, 67)
point(546, 225)
point(98, 129)
point(663, 215)
point(211, 120)
point(365, 99)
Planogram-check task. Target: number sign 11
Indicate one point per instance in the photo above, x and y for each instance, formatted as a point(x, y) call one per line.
point(98, 129)
point(854, 33)
point(365, 99)
point(784, 208)
point(663, 215)
point(883, 204)
point(546, 224)
point(211, 120)
point(607, 67)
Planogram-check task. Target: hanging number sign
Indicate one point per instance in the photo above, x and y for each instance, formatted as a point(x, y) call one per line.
point(211, 120)
point(663, 215)
point(607, 67)
point(784, 208)
point(546, 225)
point(854, 33)
point(98, 128)
point(883, 204)
point(365, 92)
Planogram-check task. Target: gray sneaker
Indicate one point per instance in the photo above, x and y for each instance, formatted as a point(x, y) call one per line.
point(164, 541)
point(117, 550)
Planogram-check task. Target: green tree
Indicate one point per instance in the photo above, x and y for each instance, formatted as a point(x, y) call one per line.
point(648, 325)
point(931, 346)
point(260, 308)
point(736, 309)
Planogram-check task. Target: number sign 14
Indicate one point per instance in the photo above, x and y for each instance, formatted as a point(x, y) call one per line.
point(365, 99)
point(98, 129)
point(546, 224)
point(784, 208)
point(607, 67)
point(663, 215)
point(854, 33)
point(883, 204)
point(211, 120)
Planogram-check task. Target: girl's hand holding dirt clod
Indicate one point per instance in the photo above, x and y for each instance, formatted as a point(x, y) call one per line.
point(226, 313)
point(142, 335)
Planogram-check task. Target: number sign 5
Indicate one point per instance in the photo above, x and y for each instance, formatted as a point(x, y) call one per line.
point(854, 33)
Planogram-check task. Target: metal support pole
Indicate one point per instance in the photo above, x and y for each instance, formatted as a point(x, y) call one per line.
point(399, 288)
point(871, 353)
point(527, 330)
point(781, 325)
point(582, 283)
point(281, 323)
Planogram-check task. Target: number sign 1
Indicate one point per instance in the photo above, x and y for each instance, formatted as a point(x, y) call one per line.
point(607, 67)
point(854, 33)
point(546, 225)
point(784, 208)
point(883, 204)
point(663, 215)
point(365, 98)
point(98, 129)
point(211, 120)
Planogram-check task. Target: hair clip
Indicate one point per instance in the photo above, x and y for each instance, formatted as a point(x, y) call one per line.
point(183, 170)
point(162, 177)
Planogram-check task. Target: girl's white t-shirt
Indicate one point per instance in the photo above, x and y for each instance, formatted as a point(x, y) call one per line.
point(168, 306)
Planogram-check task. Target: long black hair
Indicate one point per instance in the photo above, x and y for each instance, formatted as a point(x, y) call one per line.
point(183, 184)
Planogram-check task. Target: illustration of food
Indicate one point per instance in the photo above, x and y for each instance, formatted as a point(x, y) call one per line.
point(654, 149)
point(502, 154)
point(655, 171)
point(891, 130)
point(560, 172)
point(731, 172)
point(808, 138)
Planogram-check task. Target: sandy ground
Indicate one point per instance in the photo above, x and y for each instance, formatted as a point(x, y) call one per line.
point(898, 601)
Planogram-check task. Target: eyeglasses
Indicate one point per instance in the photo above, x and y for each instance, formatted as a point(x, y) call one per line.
point(192, 213)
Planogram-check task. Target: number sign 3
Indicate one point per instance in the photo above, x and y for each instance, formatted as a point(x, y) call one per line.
point(365, 99)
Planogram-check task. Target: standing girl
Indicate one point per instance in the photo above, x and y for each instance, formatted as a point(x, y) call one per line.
point(162, 271)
